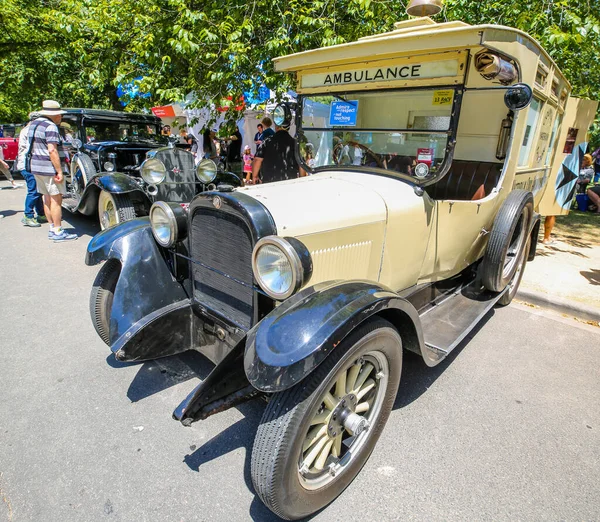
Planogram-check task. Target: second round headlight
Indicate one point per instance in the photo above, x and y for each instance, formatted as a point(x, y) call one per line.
point(153, 171)
point(169, 223)
point(206, 171)
point(281, 266)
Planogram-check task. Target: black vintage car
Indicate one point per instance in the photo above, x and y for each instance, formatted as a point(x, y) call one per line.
point(120, 165)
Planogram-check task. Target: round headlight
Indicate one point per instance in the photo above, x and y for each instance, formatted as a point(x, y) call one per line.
point(153, 171)
point(109, 166)
point(281, 115)
point(164, 224)
point(279, 267)
point(206, 171)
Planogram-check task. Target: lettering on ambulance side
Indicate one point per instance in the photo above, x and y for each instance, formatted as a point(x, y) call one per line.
point(383, 73)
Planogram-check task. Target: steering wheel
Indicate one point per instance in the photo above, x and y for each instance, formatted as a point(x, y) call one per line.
point(339, 149)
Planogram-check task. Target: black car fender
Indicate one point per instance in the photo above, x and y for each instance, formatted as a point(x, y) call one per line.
point(113, 182)
point(151, 311)
point(294, 338)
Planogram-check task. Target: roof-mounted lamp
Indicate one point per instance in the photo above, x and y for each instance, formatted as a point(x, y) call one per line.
point(424, 7)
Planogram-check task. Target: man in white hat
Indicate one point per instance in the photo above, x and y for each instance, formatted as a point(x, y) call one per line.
point(42, 159)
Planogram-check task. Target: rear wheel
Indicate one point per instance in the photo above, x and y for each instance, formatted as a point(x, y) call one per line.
point(314, 438)
point(114, 209)
point(509, 236)
point(101, 298)
point(513, 285)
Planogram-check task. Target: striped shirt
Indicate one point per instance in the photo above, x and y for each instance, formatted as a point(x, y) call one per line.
point(46, 132)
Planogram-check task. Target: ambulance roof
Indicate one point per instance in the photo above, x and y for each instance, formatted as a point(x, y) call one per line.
point(416, 36)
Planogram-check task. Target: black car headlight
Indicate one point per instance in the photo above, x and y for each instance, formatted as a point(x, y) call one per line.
point(169, 223)
point(281, 266)
point(206, 171)
point(153, 171)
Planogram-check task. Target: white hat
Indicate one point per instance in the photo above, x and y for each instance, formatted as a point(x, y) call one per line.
point(51, 108)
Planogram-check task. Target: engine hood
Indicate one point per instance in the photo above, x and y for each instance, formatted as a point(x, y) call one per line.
point(318, 203)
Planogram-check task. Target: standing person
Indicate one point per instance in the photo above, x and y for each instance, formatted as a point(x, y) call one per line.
point(258, 137)
point(268, 131)
point(276, 159)
point(234, 150)
point(34, 204)
point(5, 169)
point(247, 158)
point(208, 145)
point(42, 159)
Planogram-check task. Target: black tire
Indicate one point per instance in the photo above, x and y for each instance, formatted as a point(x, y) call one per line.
point(513, 285)
point(278, 446)
point(85, 166)
point(101, 298)
point(507, 241)
point(114, 209)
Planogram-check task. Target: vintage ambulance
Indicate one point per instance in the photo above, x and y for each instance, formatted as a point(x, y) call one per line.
point(429, 149)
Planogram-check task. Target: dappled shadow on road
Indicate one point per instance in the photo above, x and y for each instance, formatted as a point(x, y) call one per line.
point(551, 249)
point(574, 241)
point(593, 276)
point(9, 213)
point(417, 377)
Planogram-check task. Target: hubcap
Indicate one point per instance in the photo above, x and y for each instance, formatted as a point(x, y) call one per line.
point(339, 427)
point(108, 213)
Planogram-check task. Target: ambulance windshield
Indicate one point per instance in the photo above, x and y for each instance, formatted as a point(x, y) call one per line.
point(404, 131)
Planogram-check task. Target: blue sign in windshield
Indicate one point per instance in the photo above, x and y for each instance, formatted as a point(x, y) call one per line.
point(343, 113)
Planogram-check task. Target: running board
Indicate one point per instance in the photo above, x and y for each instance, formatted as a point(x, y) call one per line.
point(448, 323)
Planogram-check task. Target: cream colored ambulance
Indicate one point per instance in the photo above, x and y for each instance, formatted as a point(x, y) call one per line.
point(429, 151)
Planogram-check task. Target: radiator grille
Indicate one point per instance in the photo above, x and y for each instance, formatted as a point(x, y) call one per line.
point(223, 242)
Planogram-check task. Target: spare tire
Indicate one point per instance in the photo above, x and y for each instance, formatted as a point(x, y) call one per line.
point(508, 239)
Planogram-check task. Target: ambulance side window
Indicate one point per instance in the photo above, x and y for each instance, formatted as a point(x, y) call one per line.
point(533, 118)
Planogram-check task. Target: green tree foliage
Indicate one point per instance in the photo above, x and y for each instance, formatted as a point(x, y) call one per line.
point(78, 51)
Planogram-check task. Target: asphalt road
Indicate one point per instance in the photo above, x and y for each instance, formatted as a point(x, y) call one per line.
point(507, 429)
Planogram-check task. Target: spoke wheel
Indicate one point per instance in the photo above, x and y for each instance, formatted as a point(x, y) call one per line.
point(114, 209)
point(339, 426)
point(315, 437)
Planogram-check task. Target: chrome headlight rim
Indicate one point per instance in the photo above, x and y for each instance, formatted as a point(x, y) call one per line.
point(171, 223)
point(206, 165)
point(146, 166)
point(109, 166)
point(298, 258)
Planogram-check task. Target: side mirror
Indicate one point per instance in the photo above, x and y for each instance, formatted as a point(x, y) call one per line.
point(518, 96)
point(77, 143)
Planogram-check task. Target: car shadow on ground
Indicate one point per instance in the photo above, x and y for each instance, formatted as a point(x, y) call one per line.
point(417, 377)
point(83, 226)
point(160, 374)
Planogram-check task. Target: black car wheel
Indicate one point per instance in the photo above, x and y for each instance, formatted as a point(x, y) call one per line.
point(513, 285)
point(84, 171)
point(114, 209)
point(509, 236)
point(314, 438)
point(101, 298)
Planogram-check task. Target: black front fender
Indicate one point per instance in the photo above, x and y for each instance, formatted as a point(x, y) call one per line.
point(291, 341)
point(116, 183)
point(151, 311)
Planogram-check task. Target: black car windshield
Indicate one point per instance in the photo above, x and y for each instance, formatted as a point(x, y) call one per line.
point(403, 131)
point(121, 131)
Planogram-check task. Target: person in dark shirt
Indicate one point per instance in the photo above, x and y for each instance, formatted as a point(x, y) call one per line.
point(234, 151)
point(258, 137)
point(275, 159)
point(268, 131)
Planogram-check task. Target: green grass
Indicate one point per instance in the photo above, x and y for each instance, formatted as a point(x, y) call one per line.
point(580, 225)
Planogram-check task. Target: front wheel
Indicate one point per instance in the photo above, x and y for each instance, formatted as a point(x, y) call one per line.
point(114, 209)
point(101, 298)
point(314, 438)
